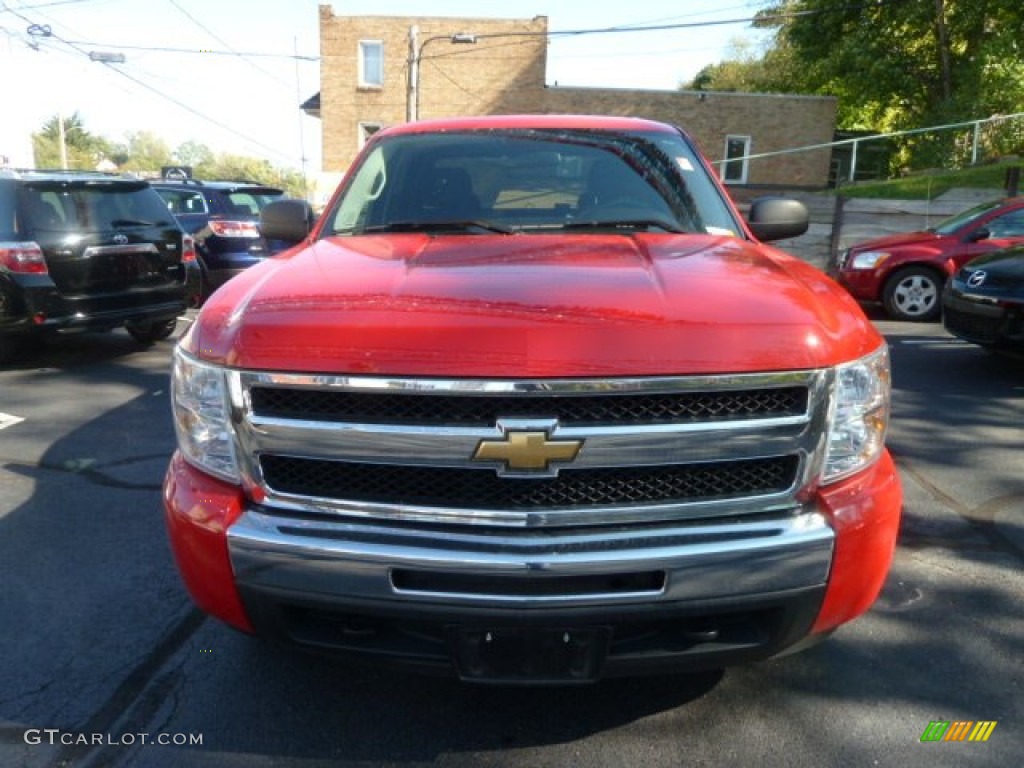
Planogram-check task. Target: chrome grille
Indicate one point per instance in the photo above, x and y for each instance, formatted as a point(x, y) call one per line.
point(625, 408)
point(981, 328)
point(483, 489)
point(653, 449)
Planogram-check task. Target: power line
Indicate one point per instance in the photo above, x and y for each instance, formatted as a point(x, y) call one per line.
point(202, 51)
point(763, 18)
point(5, 8)
point(75, 46)
point(227, 45)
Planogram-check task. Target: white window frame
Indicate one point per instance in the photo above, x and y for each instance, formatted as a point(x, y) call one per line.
point(366, 129)
point(365, 47)
point(732, 161)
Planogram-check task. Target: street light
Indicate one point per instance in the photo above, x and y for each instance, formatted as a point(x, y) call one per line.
point(106, 57)
point(412, 101)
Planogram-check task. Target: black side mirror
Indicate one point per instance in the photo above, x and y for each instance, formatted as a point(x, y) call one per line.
point(776, 218)
point(981, 233)
point(287, 220)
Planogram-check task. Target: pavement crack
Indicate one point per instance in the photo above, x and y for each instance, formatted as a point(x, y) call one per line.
point(981, 519)
point(132, 688)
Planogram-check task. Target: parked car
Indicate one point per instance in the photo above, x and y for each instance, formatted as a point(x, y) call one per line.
point(88, 251)
point(223, 217)
point(907, 272)
point(532, 403)
point(984, 301)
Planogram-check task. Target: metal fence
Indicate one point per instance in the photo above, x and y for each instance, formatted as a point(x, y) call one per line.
point(889, 155)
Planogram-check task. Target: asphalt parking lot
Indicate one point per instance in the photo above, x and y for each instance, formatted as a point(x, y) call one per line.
point(105, 662)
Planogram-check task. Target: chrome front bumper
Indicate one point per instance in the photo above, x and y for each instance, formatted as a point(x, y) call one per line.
point(536, 607)
point(345, 563)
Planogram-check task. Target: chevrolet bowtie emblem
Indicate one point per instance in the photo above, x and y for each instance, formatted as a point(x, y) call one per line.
point(524, 451)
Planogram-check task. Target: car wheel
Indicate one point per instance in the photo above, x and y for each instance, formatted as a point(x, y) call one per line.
point(147, 333)
point(913, 294)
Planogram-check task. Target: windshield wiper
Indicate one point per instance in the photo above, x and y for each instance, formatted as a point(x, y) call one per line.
point(661, 224)
point(458, 225)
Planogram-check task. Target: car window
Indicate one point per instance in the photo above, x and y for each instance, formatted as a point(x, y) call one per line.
point(182, 201)
point(47, 209)
point(8, 220)
point(62, 206)
point(250, 203)
point(1008, 225)
point(532, 181)
point(952, 224)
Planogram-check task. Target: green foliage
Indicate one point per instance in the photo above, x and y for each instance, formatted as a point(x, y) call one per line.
point(928, 186)
point(894, 65)
point(745, 70)
point(146, 153)
point(83, 150)
point(239, 168)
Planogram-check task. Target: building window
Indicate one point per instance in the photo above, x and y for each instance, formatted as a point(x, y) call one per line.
point(734, 169)
point(371, 64)
point(366, 130)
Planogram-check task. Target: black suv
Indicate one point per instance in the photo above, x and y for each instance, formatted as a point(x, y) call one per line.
point(88, 251)
point(223, 217)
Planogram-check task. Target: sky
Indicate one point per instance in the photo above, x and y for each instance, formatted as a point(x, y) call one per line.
point(231, 73)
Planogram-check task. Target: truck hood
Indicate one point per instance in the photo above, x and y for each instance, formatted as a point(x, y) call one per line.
point(524, 306)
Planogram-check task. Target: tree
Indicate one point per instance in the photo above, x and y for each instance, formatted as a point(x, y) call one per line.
point(147, 152)
point(84, 151)
point(238, 167)
point(898, 65)
point(194, 154)
point(894, 65)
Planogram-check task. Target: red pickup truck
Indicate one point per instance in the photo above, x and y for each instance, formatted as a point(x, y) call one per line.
point(531, 403)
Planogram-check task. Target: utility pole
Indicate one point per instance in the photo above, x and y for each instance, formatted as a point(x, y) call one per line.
point(63, 141)
point(302, 137)
point(416, 48)
point(411, 94)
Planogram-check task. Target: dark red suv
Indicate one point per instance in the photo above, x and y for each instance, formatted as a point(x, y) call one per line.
point(906, 272)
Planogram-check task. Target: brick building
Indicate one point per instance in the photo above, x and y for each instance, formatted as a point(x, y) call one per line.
point(465, 66)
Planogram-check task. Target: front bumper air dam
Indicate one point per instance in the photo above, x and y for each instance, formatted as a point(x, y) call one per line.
point(198, 510)
point(865, 512)
point(847, 552)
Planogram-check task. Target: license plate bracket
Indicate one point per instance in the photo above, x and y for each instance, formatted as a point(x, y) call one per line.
point(529, 656)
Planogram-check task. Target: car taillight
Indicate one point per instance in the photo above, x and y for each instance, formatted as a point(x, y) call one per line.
point(226, 228)
point(24, 257)
point(188, 249)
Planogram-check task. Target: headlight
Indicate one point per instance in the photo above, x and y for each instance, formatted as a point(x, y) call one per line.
point(868, 259)
point(860, 415)
point(201, 416)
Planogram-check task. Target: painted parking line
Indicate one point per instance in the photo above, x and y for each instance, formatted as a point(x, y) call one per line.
point(944, 343)
point(933, 341)
point(9, 420)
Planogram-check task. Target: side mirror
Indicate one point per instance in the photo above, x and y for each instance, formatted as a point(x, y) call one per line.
point(981, 233)
point(287, 220)
point(776, 218)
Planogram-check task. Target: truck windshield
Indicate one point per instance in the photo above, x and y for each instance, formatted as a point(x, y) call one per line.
point(519, 181)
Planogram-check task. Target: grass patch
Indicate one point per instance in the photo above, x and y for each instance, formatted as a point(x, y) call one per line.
point(929, 185)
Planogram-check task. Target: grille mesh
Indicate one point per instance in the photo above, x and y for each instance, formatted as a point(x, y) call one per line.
point(484, 489)
point(622, 409)
point(972, 326)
